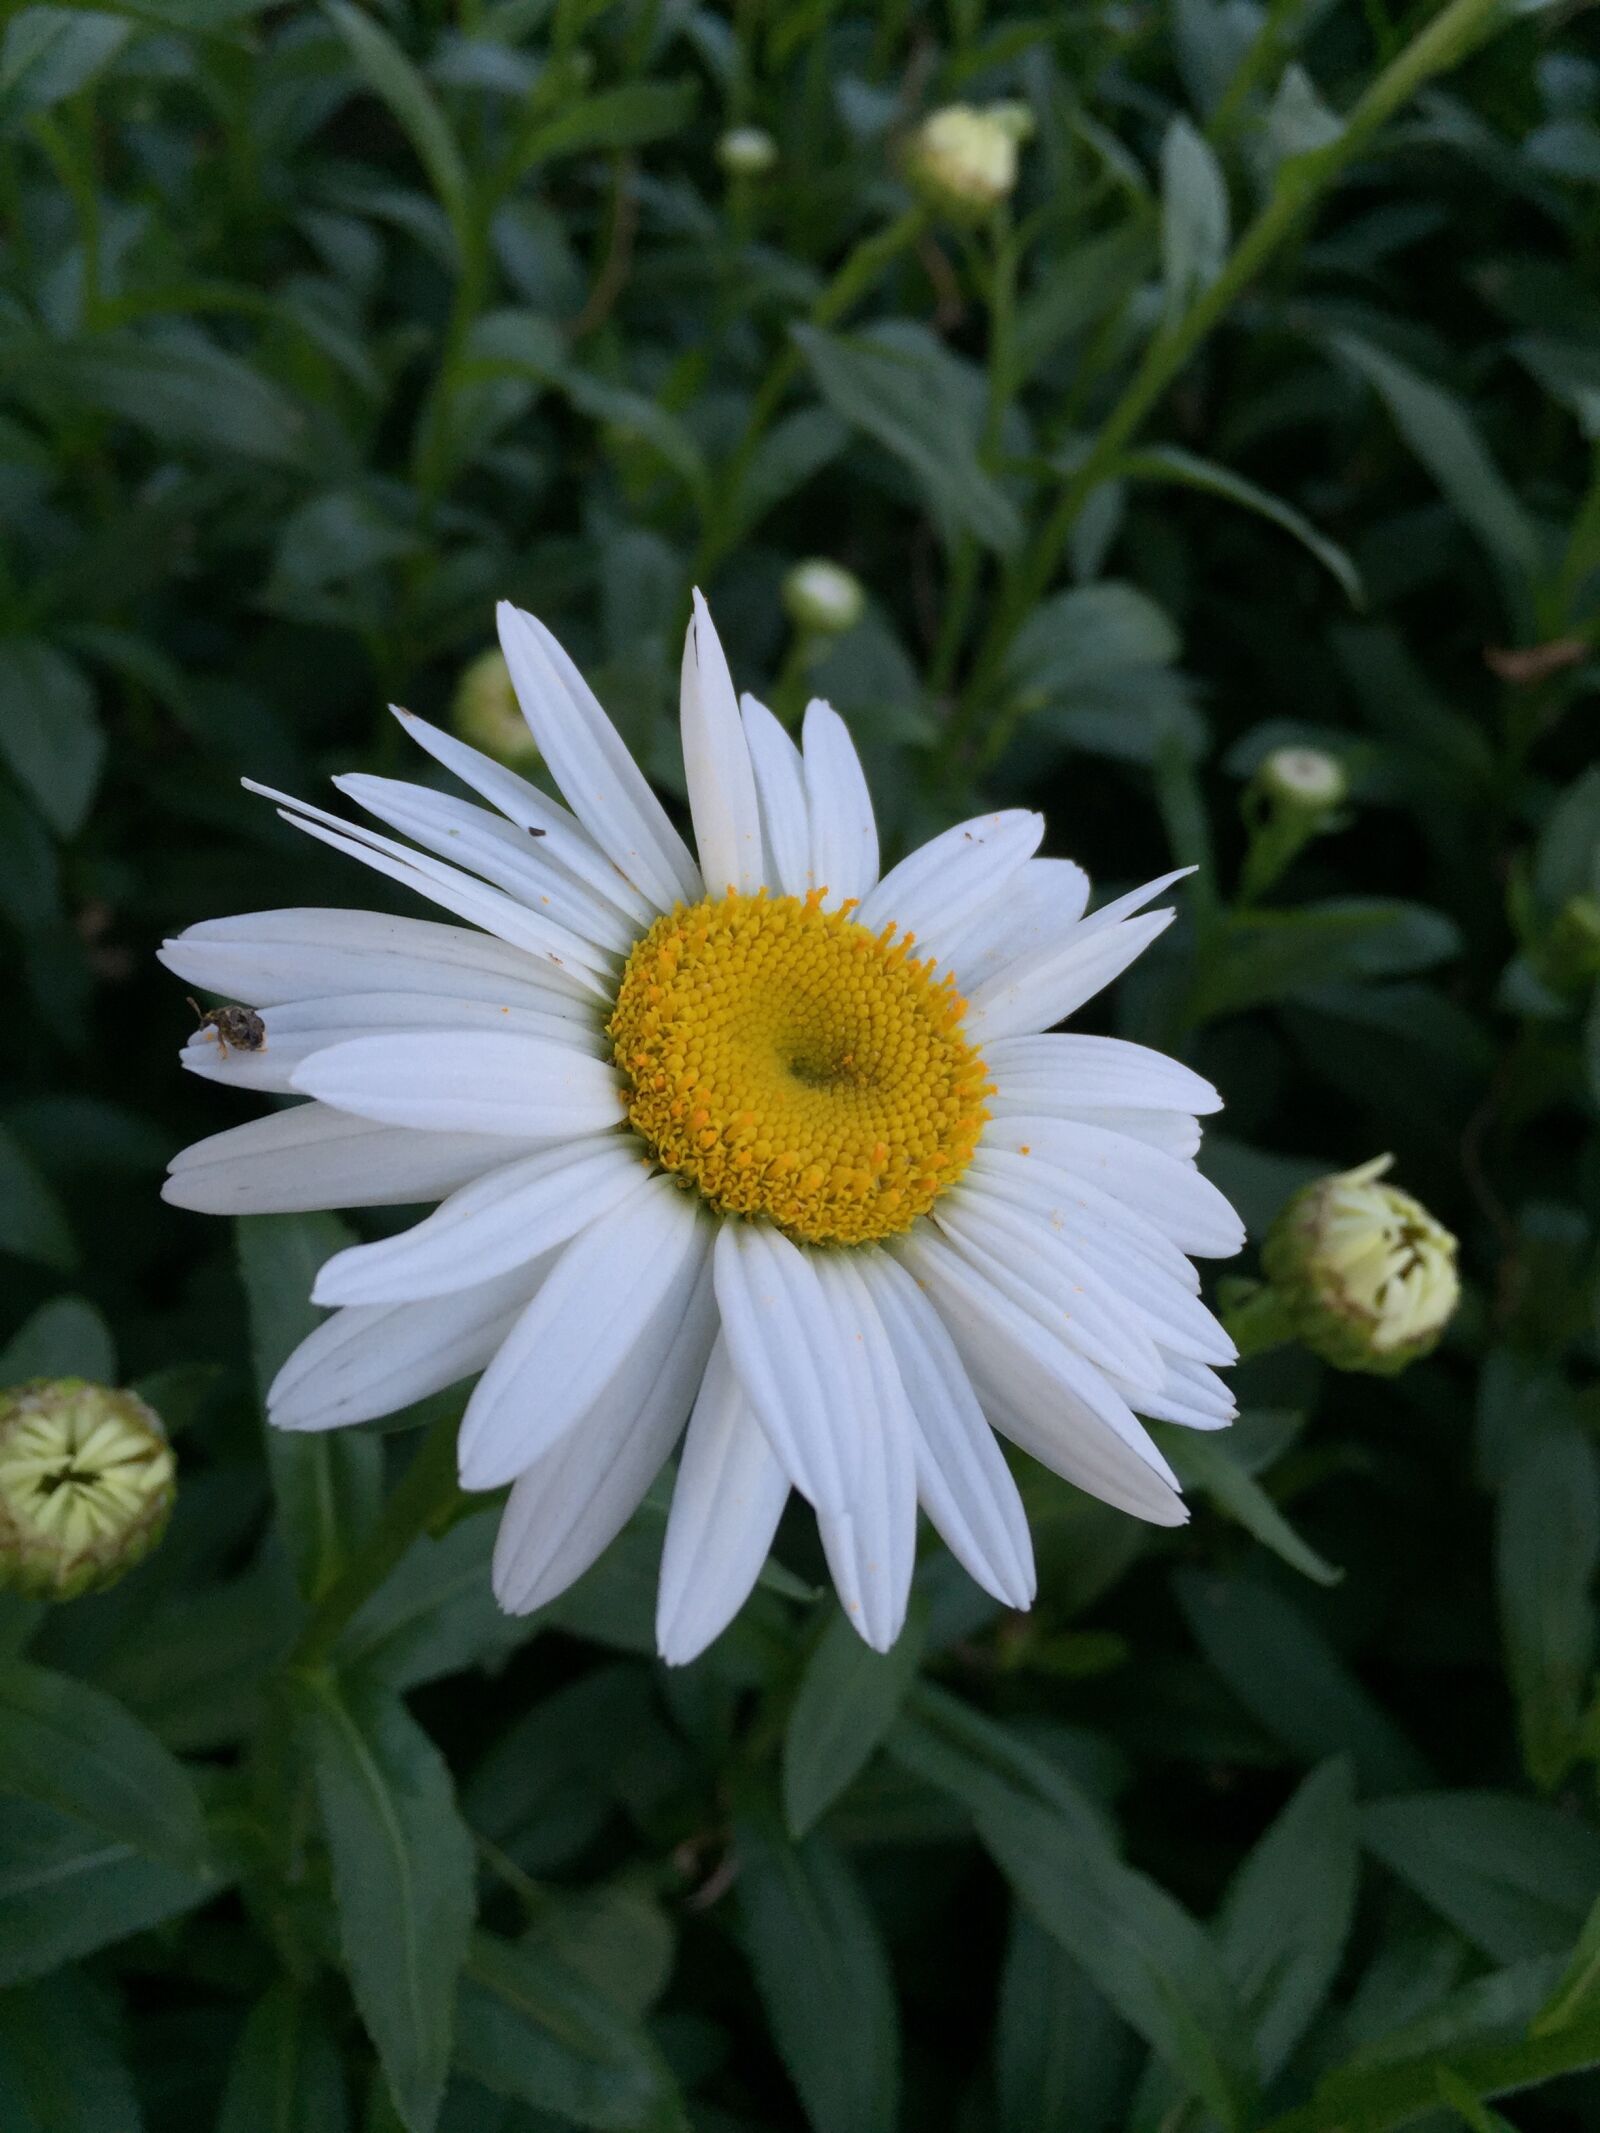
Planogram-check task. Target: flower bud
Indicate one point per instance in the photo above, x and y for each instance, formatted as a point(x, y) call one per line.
point(1365, 1275)
point(747, 152)
point(1568, 957)
point(86, 1486)
point(486, 713)
point(963, 160)
point(1304, 779)
point(823, 598)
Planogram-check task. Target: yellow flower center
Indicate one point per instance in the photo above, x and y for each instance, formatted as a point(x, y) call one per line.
point(787, 1062)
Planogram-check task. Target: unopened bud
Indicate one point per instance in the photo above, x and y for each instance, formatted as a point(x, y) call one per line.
point(485, 712)
point(747, 152)
point(1568, 958)
point(86, 1486)
point(1303, 778)
point(963, 160)
point(823, 597)
point(1366, 1276)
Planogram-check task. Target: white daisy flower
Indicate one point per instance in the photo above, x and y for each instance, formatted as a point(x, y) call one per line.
point(762, 1142)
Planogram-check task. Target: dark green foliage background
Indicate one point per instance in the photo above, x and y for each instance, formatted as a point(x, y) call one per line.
point(320, 328)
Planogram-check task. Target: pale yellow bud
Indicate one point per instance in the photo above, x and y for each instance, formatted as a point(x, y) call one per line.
point(823, 597)
point(1365, 1275)
point(86, 1486)
point(747, 152)
point(486, 713)
point(963, 160)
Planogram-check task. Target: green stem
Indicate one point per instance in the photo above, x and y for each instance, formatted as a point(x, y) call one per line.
point(1300, 185)
point(427, 1494)
point(1258, 1322)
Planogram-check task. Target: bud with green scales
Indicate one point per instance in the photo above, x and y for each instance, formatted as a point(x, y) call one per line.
point(86, 1486)
point(1361, 1273)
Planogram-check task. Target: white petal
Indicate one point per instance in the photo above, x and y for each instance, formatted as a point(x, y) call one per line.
point(1124, 906)
point(300, 1027)
point(1192, 1396)
point(561, 836)
point(726, 1504)
point(614, 1286)
point(1175, 1133)
point(938, 890)
point(1070, 1071)
point(1023, 1170)
point(871, 1546)
point(1035, 990)
point(1042, 1271)
point(1054, 1406)
point(374, 1360)
point(809, 1391)
point(962, 1477)
point(844, 836)
point(503, 1220)
point(716, 765)
point(781, 790)
point(267, 957)
point(1182, 1204)
point(1044, 899)
point(310, 1157)
point(600, 781)
point(481, 1081)
point(564, 961)
point(574, 1501)
point(485, 845)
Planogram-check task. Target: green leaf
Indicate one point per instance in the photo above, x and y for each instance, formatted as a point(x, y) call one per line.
point(531, 2028)
point(1291, 1681)
point(328, 1483)
point(65, 1338)
point(1441, 434)
point(50, 735)
point(849, 1697)
point(183, 393)
point(1085, 635)
point(66, 1890)
point(33, 1223)
point(823, 1977)
point(60, 2067)
point(1194, 215)
point(1289, 955)
point(286, 2076)
point(1207, 1462)
point(901, 397)
point(402, 1875)
point(1077, 289)
point(1170, 463)
point(784, 460)
point(49, 53)
point(1288, 1911)
point(1578, 1993)
point(1376, 2099)
point(1139, 1947)
point(66, 1745)
point(417, 111)
point(1547, 1547)
point(1515, 1876)
point(625, 117)
point(1061, 2055)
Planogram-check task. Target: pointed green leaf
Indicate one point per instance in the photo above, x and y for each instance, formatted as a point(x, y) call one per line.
point(848, 1699)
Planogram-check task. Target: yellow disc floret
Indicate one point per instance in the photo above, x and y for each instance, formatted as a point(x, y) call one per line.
point(790, 1064)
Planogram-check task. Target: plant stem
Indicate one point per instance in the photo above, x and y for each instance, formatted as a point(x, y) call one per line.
point(1258, 1322)
point(1300, 184)
point(427, 1492)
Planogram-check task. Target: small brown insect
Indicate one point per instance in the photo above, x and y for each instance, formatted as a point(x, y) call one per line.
point(240, 1028)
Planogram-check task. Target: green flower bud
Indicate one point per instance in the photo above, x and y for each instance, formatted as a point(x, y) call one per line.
point(1568, 958)
point(86, 1486)
point(1364, 1274)
point(823, 598)
point(747, 152)
point(1304, 779)
point(486, 713)
point(963, 161)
